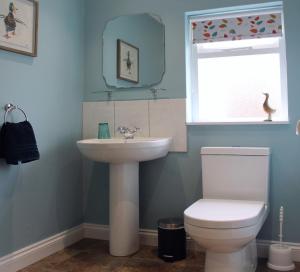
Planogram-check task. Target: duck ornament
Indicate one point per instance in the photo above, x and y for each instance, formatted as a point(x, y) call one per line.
point(267, 108)
point(11, 21)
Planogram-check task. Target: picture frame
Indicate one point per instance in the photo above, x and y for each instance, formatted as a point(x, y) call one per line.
point(127, 61)
point(19, 26)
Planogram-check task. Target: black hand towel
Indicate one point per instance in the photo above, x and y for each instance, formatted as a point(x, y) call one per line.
point(17, 143)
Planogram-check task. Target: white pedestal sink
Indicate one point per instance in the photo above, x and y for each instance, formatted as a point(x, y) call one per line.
point(124, 157)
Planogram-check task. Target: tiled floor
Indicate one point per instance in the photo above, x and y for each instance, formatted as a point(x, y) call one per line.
point(92, 256)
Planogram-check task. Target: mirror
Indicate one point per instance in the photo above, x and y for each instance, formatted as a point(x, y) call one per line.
point(134, 51)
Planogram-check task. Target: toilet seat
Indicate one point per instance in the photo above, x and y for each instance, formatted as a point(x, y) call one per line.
point(224, 213)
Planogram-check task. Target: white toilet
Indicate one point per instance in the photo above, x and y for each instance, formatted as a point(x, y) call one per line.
point(235, 183)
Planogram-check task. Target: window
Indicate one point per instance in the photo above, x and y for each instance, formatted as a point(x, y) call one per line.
point(233, 58)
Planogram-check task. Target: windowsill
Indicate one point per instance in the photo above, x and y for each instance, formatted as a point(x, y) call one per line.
point(238, 123)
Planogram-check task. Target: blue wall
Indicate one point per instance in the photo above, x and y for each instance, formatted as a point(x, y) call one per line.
point(169, 185)
point(44, 197)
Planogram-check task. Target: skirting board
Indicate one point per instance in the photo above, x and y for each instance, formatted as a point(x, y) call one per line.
point(149, 237)
point(35, 252)
point(101, 232)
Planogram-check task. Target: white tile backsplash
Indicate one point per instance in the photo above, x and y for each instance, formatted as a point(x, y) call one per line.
point(155, 118)
point(95, 113)
point(132, 114)
point(167, 119)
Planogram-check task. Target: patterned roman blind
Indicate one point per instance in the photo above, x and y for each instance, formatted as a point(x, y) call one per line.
point(237, 28)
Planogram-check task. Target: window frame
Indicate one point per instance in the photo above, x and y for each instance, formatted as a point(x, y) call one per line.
point(191, 54)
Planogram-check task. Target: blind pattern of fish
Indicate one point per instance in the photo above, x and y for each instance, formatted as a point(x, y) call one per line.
point(237, 28)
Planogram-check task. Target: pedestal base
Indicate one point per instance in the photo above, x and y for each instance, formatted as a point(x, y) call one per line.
point(244, 260)
point(124, 209)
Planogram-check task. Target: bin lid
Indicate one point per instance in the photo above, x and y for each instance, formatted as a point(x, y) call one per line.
point(171, 223)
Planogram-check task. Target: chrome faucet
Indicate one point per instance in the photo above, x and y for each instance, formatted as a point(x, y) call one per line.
point(128, 133)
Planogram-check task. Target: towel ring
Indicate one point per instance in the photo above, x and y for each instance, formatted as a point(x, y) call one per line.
point(10, 107)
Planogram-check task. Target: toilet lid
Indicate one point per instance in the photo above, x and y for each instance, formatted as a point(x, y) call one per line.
point(223, 213)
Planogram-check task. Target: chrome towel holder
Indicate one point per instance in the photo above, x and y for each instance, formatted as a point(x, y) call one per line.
point(10, 107)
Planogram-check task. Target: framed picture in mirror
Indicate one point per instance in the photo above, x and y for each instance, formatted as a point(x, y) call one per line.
point(127, 61)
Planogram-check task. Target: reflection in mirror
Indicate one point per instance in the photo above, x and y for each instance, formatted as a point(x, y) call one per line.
point(134, 51)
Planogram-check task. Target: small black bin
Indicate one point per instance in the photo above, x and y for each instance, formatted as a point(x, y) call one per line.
point(171, 239)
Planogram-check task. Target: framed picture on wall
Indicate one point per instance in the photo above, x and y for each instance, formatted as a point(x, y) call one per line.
point(19, 26)
point(127, 62)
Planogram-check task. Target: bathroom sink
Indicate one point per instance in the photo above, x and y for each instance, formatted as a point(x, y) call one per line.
point(118, 150)
point(124, 157)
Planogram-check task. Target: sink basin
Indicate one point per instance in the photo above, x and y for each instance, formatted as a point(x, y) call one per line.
point(120, 150)
point(124, 157)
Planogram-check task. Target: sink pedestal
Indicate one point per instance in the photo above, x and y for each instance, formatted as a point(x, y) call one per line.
point(124, 208)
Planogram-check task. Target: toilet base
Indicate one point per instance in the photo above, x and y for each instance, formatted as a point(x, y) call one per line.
point(244, 260)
